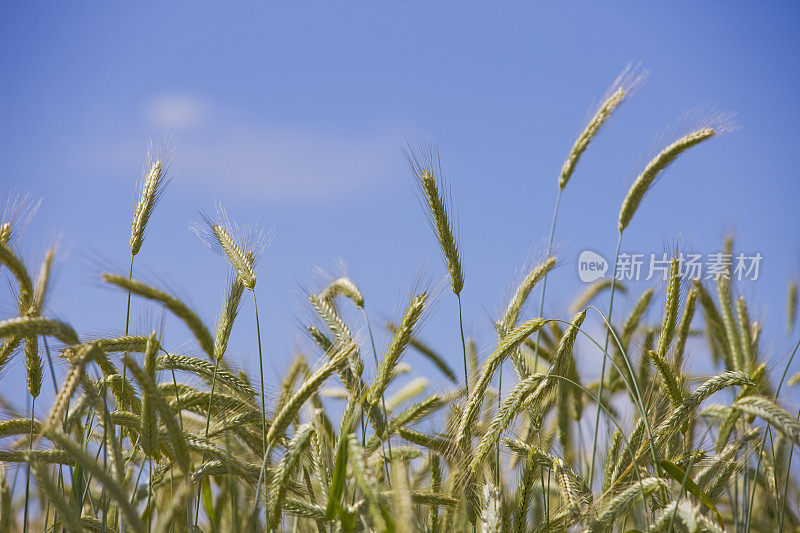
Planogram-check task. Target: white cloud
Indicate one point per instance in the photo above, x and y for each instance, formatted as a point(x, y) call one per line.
point(224, 156)
point(266, 164)
point(283, 164)
point(176, 111)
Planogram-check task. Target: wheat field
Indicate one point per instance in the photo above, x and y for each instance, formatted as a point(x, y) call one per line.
point(143, 436)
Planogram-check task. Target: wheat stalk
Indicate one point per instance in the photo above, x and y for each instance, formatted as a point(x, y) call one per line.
point(791, 307)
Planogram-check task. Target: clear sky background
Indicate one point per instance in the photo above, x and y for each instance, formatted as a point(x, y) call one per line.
point(293, 117)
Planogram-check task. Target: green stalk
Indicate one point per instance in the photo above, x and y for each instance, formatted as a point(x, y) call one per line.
point(463, 347)
point(175, 385)
point(685, 479)
point(464, 354)
point(124, 364)
point(632, 390)
point(149, 493)
point(763, 441)
point(28, 474)
point(383, 401)
point(633, 387)
point(261, 368)
point(208, 424)
point(736, 502)
point(231, 486)
point(497, 445)
point(135, 485)
point(544, 278)
point(127, 325)
point(545, 493)
point(60, 470)
point(786, 484)
point(605, 353)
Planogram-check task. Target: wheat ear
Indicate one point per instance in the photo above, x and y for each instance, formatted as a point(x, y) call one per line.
point(153, 183)
point(427, 169)
point(683, 328)
point(66, 512)
point(277, 490)
point(345, 287)
point(149, 429)
point(771, 412)
point(284, 417)
point(242, 247)
point(711, 386)
point(398, 345)
point(622, 87)
point(33, 366)
point(671, 309)
point(236, 255)
point(643, 182)
point(115, 491)
point(177, 435)
point(177, 307)
point(582, 142)
point(523, 291)
point(33, 326)
point(20, 273)
point(504, 348)
point(616, 506)
point(229, 312)
point(520, 396)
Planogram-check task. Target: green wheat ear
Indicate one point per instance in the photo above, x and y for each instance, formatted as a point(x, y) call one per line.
point(791, 307)
point(524, 289)
point(17, 212)
point(193, 452)
point(242, 247)
point(625, 84)
point(154, 180)
point(173, 304)
point(345, 287)
point(427, 169)
point(648, 176)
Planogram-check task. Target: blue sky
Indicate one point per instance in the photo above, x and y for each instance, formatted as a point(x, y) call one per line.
point(292, 115)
